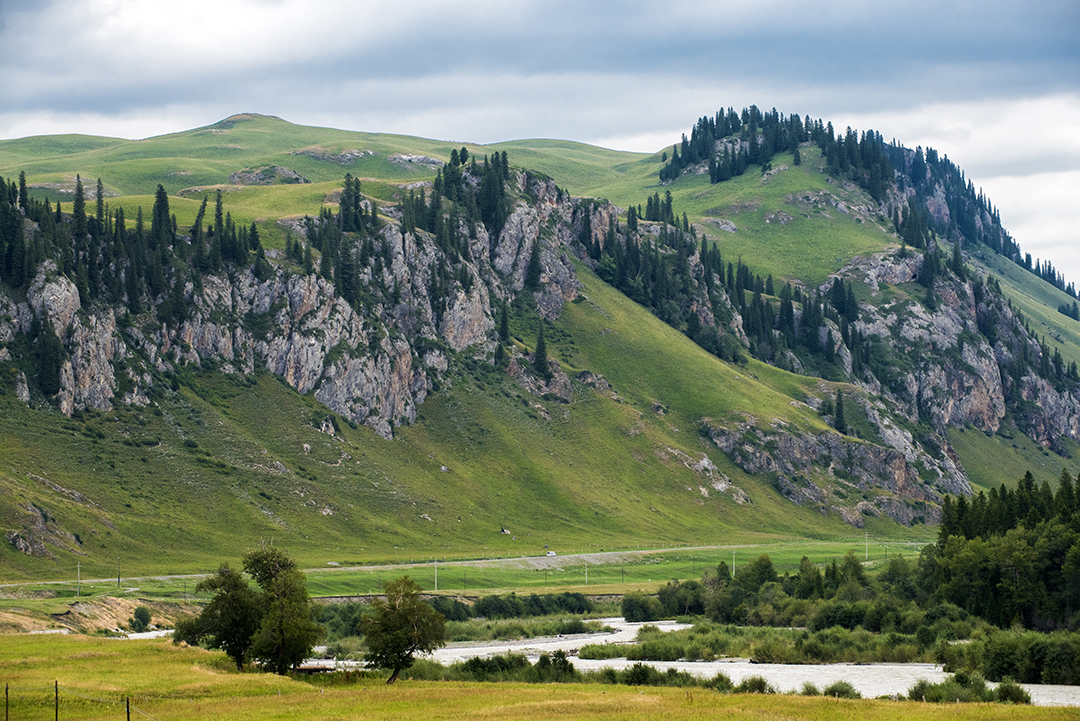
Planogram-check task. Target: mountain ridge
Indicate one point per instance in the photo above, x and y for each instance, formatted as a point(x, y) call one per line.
point(404, 308)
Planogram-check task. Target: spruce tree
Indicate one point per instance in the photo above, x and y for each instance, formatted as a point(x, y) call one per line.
point(24, 198)
point(78, 210)
point(504, 324)
point(839, 422)
point(532, 274)
point(99, 194)
point(540, 359)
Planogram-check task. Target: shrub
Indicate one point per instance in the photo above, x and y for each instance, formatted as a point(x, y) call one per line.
point(755, 684)
point(141, 620)
point(640, 675)
point(637, 607)
point(840, 689)
point(1008, 691)
point(721, 682)
point(960, 688)
point(809, 689)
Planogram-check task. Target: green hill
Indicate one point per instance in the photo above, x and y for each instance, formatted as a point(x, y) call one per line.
point(216, 461)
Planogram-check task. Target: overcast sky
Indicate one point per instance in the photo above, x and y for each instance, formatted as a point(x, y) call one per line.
point(995, 85)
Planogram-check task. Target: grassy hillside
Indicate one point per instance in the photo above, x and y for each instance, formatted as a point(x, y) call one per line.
point(777, 217)
point(223, 462)
point(212, 468)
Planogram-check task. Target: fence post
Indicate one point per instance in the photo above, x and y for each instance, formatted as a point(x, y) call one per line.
point(128, 698)
point(56, 694)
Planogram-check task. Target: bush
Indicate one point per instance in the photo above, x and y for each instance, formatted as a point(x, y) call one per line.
point(840, 689)
point(637, 608)
point(960, 688)
point(721, 682)
point(755, 684)
point(141, 620)
point(809, 689)
point(1008, 691)
point(640, 675)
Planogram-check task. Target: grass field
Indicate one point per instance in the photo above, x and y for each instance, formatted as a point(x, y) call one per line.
point(95, 677)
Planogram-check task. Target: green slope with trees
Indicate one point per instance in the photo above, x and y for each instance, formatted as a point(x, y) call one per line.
point(193, 470)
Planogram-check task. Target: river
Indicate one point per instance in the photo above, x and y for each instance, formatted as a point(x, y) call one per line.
point(871, 680)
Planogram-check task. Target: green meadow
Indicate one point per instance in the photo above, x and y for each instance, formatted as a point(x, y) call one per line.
point(92, 678)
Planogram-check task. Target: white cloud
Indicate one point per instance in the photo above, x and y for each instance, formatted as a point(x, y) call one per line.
point(999, 96)
point(1042, 212)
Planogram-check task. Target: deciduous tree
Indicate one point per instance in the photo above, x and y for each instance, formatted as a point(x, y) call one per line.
point(401, 626)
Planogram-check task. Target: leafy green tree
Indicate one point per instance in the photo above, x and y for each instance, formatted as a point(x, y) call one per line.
point(757, 573)
point(230, 619)
point(287, 630)
point(400, 627)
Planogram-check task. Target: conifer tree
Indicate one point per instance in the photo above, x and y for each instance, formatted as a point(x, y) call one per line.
point(24, 198)
point(504, 324)
point(99, 196)
point(839, 422)
point(78, 210)
point(540, 359)
point(532, 274)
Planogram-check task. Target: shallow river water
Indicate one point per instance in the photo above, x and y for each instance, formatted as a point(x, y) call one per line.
point(871, 680)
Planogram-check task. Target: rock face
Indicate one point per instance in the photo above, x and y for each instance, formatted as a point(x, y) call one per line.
point(274, 175)
point(373, 363)
point(801, 463)
point(956, 363)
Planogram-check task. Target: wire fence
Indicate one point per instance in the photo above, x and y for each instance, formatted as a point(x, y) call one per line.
point(31, 703)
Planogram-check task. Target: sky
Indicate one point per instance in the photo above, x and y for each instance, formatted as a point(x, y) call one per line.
point(993, 85)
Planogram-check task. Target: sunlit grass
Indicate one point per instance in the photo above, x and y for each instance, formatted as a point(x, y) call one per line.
point(166, 682)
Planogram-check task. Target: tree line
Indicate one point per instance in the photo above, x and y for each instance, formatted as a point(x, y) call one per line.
point(730, 142)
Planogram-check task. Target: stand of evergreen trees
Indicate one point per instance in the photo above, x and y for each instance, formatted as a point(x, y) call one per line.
point(1011, 556)
point(730, 142)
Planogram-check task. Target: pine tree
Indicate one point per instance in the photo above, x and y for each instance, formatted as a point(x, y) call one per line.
point(50, 359)
point(540, 359)
point(24, 198)
point(78, 210)
point(504, 324)
point(839, 422)
point(532, 274)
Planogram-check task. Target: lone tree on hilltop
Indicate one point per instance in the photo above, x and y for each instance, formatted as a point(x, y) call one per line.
point(401, 626)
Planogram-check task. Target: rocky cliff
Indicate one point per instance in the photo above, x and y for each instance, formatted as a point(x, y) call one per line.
point(372, 363)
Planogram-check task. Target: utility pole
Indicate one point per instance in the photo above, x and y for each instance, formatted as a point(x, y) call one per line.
point(733, 564)
point(436, 574)
point(867, 533)
point(78, 582)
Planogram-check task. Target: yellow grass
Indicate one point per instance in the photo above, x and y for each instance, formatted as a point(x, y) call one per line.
point(167, 682)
